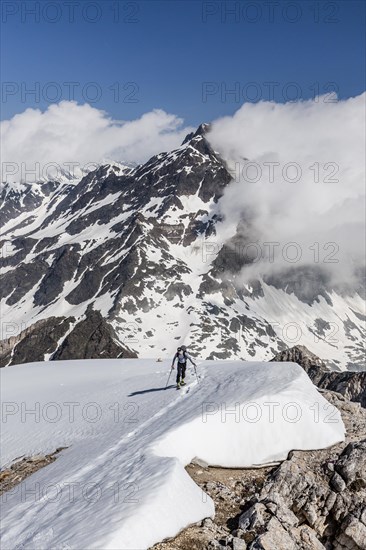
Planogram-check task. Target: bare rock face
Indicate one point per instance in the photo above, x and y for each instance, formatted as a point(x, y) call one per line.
point(35, 342)
point(330, 511)
point(92, 338)
point(56, 338)
point(350, 384)
point(304, 357)
point(351, 467)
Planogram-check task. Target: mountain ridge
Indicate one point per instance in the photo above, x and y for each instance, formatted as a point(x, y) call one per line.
point(145, 243)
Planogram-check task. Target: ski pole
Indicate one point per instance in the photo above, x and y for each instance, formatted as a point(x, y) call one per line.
point(168, 378)
point(196, 374)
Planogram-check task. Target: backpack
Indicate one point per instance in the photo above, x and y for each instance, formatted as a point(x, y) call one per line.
point(184, 350)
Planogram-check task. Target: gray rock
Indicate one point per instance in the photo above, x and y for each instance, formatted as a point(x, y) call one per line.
point(253, 518)
point(311, 513)
point(287, 517)
point(306, 539)
point(239, 544)
point(352, 464)
point(329, 503)
point(337, 483)
point(353, 534)
point(277, 506)
point(275, 538)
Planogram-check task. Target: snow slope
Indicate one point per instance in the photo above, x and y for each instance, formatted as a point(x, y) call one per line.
point(121, 482)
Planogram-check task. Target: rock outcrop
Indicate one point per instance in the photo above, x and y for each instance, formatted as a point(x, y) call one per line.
point(350, 384)
point(305, 508)
point(34, 343)
point(92, 338)
point(59, 338)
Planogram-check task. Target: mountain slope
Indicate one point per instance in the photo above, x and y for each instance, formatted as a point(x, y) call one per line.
point(146, 243)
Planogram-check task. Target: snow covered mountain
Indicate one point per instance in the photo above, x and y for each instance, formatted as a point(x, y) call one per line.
point(129, 261)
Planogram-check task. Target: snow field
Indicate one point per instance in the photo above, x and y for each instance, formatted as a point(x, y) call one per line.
point(121, 482)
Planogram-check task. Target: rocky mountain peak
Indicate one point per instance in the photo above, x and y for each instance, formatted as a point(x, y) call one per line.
point(141, 245)
point(201, 131)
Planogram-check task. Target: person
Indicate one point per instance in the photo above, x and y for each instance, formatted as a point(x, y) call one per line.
point(181, 356)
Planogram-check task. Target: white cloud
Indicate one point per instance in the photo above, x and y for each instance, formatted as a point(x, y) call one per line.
point(326, 140)
point(320, 139)
point(68, 132)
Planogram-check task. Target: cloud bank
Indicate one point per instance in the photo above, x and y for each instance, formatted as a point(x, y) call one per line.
point(298, 170)
point(298, 177)
point(71, 133)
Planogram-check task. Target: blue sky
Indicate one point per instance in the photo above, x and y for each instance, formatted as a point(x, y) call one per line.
point(128, 58)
